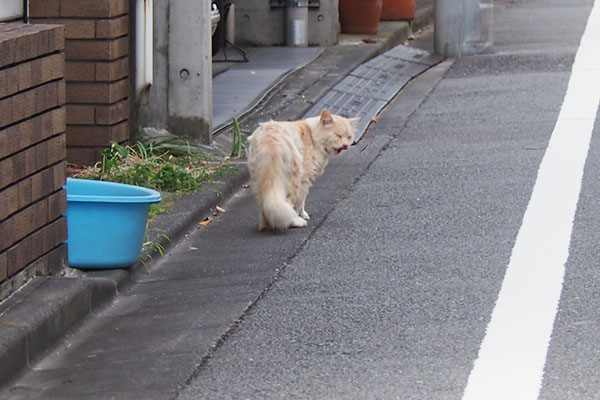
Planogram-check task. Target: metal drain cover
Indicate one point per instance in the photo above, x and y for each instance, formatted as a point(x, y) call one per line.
point(372, 85)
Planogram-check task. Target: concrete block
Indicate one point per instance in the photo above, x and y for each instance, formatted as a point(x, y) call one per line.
point(256, 23)
point(190, 70)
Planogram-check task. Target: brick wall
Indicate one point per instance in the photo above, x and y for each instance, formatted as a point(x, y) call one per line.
point(32, 153)
point(97, 71)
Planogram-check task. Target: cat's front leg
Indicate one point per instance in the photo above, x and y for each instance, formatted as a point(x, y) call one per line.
point(304, 214)
point(298, 223)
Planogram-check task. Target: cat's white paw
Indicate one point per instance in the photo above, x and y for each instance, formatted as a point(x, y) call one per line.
point(298, 223)
point(305, 215)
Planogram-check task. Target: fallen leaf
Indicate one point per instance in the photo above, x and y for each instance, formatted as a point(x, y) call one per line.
point(374, 119)
point(206, 221)
point(369, 40)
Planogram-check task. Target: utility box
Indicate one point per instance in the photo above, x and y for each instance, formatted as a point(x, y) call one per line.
point(264, 22)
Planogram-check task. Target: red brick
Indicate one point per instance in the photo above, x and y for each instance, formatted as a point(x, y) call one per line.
point(97, 135)
point(31, 160)
point(23, 223)
point(5, 235)
point(111, 114)
point(7, 51)
point(73, 28)
point(79, 28)
point(37, 251)
point(21, 42)
point(9, 201)
point(26, 104)
point(59, 173)
point(56, 149)
point(57, 205)
point(84, 155)
point(37, 187)
point(60, 230)
point(37, 238)
point(19, 255)
point(3, 266)
point(112, 28)
point(48, 69)
point(27, 46)
point(57, 259)
point(99, 93)
point(47, 183)
point(25, 198)
point(24, 76)
point(4, 84)
point(31, 131)
point(7, 168)
point(80, 71)
point(44, 8)
point(47, 238)
point(12, 81)
point(62, 92)
point(105, 50)
point(36, 158)
point(113, 70)
point(80, 114)
point(93, 8)
point(57, 39)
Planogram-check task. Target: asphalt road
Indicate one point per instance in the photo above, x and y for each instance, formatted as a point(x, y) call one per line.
point(389, 292)
point(390, 297)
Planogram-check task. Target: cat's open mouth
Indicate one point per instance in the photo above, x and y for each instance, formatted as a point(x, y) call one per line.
point(340, 149)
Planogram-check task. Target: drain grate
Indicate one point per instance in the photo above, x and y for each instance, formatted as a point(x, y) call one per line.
point(372, 85)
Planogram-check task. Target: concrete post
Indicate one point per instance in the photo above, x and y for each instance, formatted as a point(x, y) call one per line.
point(463, 27)
point(190, 69)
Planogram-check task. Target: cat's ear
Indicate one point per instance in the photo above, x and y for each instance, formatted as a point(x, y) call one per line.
point(354, 121)
point(326, 117)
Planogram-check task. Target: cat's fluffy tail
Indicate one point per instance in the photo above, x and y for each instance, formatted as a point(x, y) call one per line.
point(277, 212)
point(269, 182)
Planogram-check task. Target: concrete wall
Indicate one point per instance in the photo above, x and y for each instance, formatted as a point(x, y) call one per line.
point(256, 23)
point(180, 98)
point(32, 153)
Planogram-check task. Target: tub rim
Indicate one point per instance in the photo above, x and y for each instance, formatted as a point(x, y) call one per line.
point(148, 195)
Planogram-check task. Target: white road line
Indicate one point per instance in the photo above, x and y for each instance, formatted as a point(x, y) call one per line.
point(512, 356)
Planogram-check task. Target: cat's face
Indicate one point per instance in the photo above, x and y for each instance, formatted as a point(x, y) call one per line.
point(337, 132)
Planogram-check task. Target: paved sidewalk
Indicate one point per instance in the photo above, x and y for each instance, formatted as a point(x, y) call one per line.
point(35, 318)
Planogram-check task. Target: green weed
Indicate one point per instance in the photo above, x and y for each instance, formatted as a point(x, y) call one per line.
point(239, 146)
point(167, 164)
point(151, 247)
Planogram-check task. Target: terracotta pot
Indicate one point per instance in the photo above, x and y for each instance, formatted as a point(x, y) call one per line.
point(397, 9)
point(360, 16)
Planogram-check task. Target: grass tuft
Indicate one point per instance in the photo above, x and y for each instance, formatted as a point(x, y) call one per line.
point(166, 164)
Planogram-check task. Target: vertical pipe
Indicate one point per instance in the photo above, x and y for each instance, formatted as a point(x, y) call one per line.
point(143, 45)
point(297, 23)
point(230, 24)
point(487, 23)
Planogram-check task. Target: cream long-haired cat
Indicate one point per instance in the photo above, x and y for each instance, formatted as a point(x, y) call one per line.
point(286, 157)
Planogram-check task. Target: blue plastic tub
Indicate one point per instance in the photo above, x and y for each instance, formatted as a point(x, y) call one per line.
point(106, 223)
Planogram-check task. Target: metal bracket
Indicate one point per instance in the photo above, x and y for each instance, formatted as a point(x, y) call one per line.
point(295, 3)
